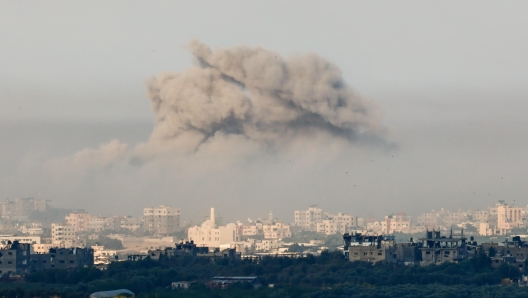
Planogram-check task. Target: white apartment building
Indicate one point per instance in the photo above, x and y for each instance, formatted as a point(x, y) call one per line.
point(208, 234)
point(308, 219)
point(161, 220)
point(63, 235)
point(33, 240)
point(31, 229)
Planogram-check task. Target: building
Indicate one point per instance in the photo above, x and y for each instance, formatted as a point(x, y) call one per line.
point(337, 224)
point(437, 249)
point(266, 244)
point(453, 218)
point(308, 219)
point(31, 229)
point(4, 239)
point(14, 258)
point(374, 227)
point(222, 282)
point(485, 229)
point(41, 248)
point(276, 231)
point(32, 240)
point(79, 220)
point(480, 216)
point(428, 219)
point(21, 208)
point(508, 217)
point(161, 220)
point(514, 252)
point(251, 230)
point(181, 285)
point(208, 234)
point(132, 223)
point(96, 223)
point(63, 235)
point(400, 223)
point(373, 249)
point(63, 258)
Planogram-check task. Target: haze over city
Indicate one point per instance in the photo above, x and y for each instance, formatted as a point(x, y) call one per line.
point(252, 107)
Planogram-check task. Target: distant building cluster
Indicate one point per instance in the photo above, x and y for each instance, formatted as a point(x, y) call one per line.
point(18, 258)
point(314, 219)
point(159, 233)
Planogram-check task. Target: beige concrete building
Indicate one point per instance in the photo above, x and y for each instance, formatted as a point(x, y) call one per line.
point(251, 230)
point(276, 231)
point(436, 249)
point(78, 220)
point(31, 228)
point(454, 218)
point(374, 226)
point(508, 217)
point(21, 207)
point(267, 245)
point(480, 216)
point(63, 235)
point(371, 249)
point(485, 229)
point(161, 220)
point(337, 224)
point(400, 223)
point(96, 223)
point(428, 220)
point(308, 219)
point(41, 248)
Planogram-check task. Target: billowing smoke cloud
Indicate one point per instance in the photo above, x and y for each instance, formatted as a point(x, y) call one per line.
point(257, 95)
point(242, 123)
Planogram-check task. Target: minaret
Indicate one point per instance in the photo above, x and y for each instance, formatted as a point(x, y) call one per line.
point(270, 216)
point(212, 218)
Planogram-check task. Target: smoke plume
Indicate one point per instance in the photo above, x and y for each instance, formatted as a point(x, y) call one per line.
point(240, 123)
point(256, 95)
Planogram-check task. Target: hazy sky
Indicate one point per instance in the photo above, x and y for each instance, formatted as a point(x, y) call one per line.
point(450, 77)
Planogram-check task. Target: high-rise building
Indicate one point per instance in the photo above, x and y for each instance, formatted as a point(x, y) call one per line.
point(161, 220)
point(63, 235)
point(508, 217)
point(79, 220)
point(308, 219)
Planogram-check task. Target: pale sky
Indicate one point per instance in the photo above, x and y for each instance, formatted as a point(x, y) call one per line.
point(450, 76)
